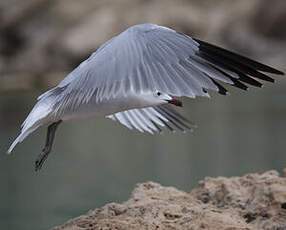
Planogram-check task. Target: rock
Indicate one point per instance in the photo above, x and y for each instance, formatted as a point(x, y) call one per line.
point(253, 201)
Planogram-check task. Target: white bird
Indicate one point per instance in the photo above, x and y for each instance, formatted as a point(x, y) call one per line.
point(135, 77)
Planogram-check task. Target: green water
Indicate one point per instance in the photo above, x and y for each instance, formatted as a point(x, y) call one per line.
point(98, 161)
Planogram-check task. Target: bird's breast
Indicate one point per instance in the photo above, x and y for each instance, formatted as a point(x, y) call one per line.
point(106, 107)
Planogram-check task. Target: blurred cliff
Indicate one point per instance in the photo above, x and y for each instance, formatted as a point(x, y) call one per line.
point(42, 40)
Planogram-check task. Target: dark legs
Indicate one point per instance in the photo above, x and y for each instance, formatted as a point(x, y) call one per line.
point(48, 146)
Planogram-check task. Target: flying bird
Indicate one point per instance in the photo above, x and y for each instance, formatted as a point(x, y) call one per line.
point(136, 78)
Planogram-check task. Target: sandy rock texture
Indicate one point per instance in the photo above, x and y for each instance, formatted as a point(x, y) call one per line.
point(253, 201)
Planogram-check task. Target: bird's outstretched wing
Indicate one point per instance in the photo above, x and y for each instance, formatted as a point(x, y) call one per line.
point(150, 57)
point(153, 119)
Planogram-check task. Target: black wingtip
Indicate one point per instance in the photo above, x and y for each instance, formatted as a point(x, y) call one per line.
point(280, 72)
point(269, 79)
point(275, 71)
point(237, 58)
point(246, 79)
point(238, 84)
point(221, 89)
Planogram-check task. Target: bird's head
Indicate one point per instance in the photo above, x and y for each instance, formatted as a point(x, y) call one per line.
point(166, 98)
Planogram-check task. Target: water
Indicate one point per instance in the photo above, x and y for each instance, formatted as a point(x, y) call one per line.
point(98, 161)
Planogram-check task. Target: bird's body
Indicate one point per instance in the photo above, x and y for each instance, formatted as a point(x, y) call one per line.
point(134, 77)
point(106, 107)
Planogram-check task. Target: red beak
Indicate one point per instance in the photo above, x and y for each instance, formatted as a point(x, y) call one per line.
point(175, 102)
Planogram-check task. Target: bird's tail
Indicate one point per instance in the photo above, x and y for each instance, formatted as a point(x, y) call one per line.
point(37, 117)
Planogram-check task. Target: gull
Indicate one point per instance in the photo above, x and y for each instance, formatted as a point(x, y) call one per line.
point(136, 78)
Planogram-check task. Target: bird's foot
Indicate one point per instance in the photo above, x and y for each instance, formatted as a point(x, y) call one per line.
point(41, 159)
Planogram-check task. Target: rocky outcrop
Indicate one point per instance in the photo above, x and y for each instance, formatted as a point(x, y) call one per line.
point(253, 201)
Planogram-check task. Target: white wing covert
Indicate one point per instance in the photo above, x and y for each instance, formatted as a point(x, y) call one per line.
point(153, 119)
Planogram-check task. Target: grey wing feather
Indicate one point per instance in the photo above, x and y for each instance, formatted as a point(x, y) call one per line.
point(153, 119)
point(150, 57)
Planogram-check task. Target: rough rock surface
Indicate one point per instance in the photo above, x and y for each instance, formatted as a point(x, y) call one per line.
point(253, 201)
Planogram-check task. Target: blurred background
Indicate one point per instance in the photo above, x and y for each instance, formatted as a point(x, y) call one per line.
point(98, 161)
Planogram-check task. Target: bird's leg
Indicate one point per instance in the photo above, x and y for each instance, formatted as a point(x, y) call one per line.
point(48, 146)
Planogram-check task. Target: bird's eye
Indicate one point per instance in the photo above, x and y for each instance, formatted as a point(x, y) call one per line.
point(158, 93)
